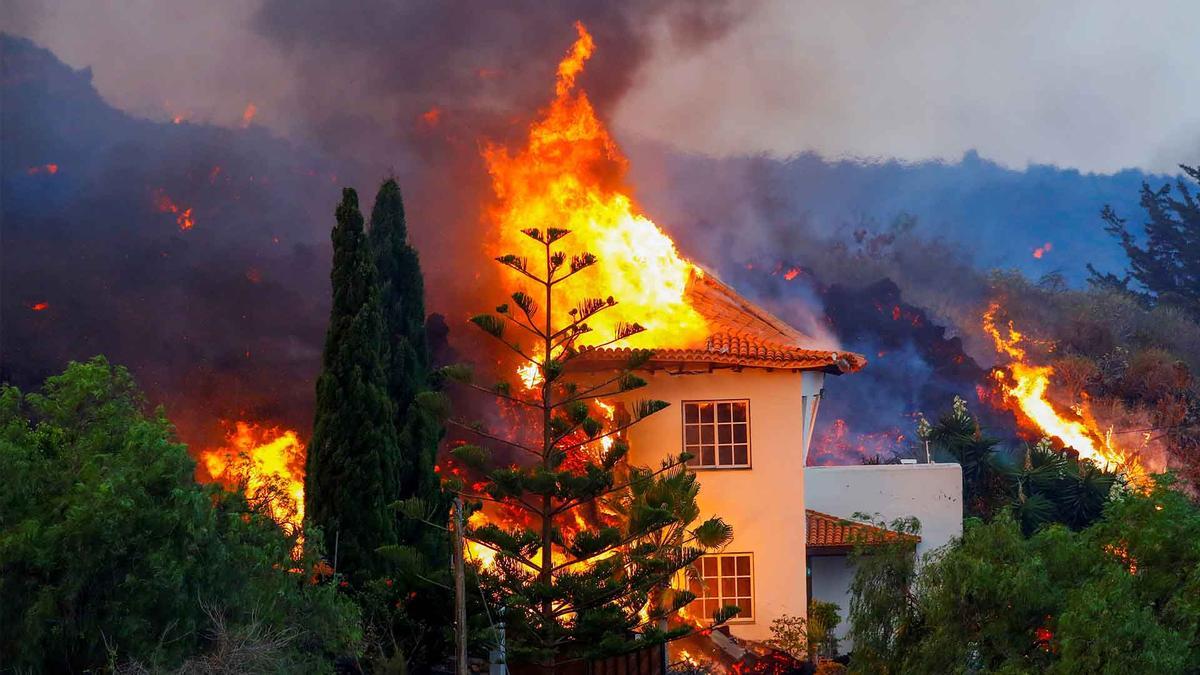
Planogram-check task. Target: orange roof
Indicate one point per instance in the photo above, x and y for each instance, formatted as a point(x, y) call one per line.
point(831, 532)
point(743, 335)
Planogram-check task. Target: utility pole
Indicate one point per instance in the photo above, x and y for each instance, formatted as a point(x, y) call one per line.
point(460, 593)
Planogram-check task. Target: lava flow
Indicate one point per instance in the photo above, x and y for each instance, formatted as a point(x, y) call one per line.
point(1025, 385)
point(570, 175)
point(183, 216)
point(267, 463)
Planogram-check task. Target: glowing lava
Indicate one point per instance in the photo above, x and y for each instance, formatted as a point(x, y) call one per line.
point(570, 174)
point(183, 216)
point(267, 464)
point(1025, 385)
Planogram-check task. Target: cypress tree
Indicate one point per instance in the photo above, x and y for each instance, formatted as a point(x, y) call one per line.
point(351, 466)
point(402, 292)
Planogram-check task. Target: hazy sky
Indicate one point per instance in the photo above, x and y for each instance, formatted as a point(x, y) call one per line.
point(1096, 85)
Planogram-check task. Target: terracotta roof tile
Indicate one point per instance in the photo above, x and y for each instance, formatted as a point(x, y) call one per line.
point(743, 334)
point(826, 531)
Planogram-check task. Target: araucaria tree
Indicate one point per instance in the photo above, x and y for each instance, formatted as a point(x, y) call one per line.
point(570, 592)
point(351, 474)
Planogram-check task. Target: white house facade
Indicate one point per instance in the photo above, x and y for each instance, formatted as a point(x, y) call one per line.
point(744, 405)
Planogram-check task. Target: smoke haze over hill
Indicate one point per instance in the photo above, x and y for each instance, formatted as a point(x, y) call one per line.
point(227, 317)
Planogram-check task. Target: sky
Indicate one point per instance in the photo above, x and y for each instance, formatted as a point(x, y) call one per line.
point(1093, 85)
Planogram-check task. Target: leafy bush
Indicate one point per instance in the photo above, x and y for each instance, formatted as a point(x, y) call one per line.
point(1120, 596)
point(111, 553)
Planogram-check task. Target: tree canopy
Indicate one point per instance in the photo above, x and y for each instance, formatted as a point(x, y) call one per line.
point(1119, 596)
point(111, 553)
point(1166, 260)
point(352, 472)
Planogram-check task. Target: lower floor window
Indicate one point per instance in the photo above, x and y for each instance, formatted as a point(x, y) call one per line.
point(725, 579)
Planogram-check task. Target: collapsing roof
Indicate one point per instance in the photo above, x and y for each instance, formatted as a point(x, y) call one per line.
point(833, 535)
point(741, 335)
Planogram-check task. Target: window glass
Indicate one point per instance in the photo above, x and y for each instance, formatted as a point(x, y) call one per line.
point(717, 433)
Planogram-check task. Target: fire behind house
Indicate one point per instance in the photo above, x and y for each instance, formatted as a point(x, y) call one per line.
point(197, 255)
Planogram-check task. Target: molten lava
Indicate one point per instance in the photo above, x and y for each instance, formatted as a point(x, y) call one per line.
point(1024, 386)
point(570, 174)
point(183, 216)
point(267, 464)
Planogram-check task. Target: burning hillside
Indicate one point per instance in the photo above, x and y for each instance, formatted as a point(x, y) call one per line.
point(1024, 388)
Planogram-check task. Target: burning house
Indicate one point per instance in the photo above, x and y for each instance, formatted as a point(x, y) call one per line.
point(743, 386)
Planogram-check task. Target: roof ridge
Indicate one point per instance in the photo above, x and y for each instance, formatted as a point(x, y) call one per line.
point(780, 326)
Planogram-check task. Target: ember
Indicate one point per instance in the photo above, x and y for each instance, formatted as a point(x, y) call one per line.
point(40, 306)
point(49, 169)
point(248, 114)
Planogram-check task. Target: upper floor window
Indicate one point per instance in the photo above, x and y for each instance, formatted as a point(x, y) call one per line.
point(717, 433)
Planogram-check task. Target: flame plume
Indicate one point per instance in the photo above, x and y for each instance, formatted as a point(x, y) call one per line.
point(1024, 385)
point(268, 464)
point(570, 174)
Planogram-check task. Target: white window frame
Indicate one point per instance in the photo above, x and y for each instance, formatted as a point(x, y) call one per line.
point(694, 448)
point(721, 598)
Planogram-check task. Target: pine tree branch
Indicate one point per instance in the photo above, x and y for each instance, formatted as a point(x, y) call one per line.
point(483, 434)
point(581, 319)
point(518, 557)
point(488, 498)
point(534, 277)
point(529, 328)
point(587, 393)
point(567, 505)
point(617, 593)
point(506, 397)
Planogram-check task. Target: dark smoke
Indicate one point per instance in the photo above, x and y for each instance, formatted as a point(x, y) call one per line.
point(226, 320)
point(222, 321)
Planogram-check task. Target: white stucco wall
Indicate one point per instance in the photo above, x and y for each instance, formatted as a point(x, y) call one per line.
point(932, 493)
point(765, 503)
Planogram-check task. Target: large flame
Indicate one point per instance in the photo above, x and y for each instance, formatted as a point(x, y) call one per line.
point(570, 174)
point(1025, 385)
point(267, 463)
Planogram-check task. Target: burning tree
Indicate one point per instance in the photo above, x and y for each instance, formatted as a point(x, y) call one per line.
point(584, 559)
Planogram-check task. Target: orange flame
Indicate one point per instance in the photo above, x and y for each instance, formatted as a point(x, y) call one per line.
point(570, 174)
point(1025, 385)
point(183, 216)
point(267, 463)
point(248, 114)
point(40, 306)
point(50, 169)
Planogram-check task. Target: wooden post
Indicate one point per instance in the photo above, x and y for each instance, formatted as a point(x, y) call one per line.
point(460, 593)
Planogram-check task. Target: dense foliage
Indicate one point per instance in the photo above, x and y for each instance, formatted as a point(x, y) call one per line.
point(1037, 483)
point(352, 469)
point(375, 440)
point(1119, 596)
point(569, 592)
point(111, 553)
